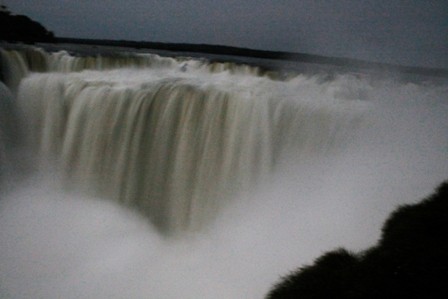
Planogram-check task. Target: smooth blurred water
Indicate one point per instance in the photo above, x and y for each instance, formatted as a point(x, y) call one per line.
point(242, 178)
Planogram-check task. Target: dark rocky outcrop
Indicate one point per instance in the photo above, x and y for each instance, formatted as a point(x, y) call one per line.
point(410, 260)
point(21, 28)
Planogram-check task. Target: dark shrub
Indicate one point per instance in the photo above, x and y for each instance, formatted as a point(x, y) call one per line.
point(410, 261)
point(329, 277)
point(22, 28)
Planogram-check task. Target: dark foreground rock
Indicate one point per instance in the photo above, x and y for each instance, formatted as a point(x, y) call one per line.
point(410, 260)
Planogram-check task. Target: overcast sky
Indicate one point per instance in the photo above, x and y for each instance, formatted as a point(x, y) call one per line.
point(413, 32)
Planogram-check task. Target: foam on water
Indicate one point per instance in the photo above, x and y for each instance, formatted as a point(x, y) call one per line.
point(328, 160)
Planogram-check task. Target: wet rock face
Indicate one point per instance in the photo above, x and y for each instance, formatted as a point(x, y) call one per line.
point(409, 261)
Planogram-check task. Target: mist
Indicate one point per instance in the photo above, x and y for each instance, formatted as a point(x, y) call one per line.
point(61, 244)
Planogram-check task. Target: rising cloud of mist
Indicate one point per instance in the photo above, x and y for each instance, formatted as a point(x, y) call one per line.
point(57, 244)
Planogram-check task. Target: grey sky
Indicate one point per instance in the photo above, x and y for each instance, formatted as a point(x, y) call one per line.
point(413, 32)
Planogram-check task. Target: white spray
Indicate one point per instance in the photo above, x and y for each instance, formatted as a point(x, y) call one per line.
point(334, 188)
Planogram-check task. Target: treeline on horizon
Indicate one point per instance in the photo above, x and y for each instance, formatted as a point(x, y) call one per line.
point(262, 54)
point(409, 261)
point(20, 28)
point(15, 28)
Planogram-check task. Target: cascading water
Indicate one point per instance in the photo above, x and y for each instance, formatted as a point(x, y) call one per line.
point(249, 176)
point(174, 139)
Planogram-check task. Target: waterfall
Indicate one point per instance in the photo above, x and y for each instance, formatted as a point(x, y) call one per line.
point(18, 62)
point(226, 176)
point(8, 130)
point(175, 143)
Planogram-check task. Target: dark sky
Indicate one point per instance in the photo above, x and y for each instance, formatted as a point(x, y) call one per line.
point(413, 32)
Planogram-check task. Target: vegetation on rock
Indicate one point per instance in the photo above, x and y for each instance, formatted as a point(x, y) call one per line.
point(410, 260)
point(22, 28)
